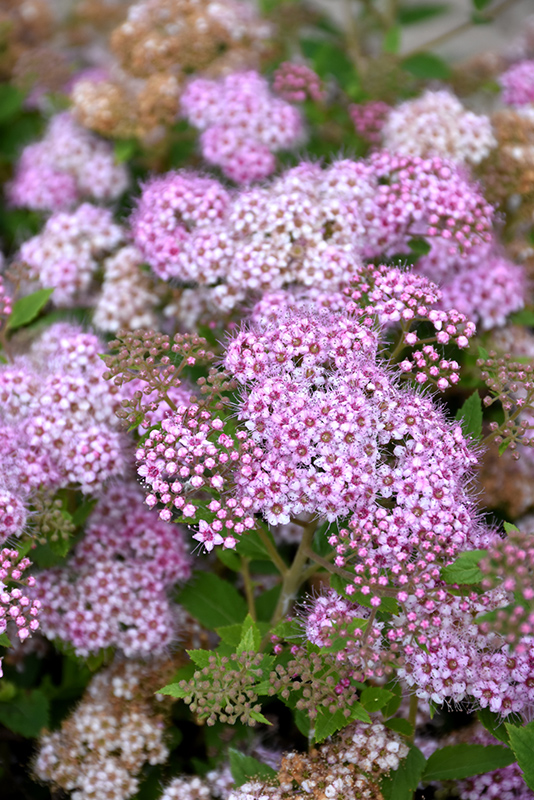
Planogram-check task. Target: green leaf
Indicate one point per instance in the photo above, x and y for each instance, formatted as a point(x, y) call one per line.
point(243, 768)
point(27, 714)
point(4, 640)
point(494, 723)
point(174, 690)
point(251, 546)
point(509, 528)
point(124, 150)
point(200, 657)
point(84, 510)
point(392, 40)
point(463, 760)
point(470, 416)
point(212, 601)
point(480, 5)
point(250, 637)
point(411, 15)
point(27, 308)
point(257, 716)
point(523, 317)
point(465, 569)
point(427, 66)
point(419, 246)
point(393, 705)
point(11, 100)
point(522, 744)
point(328, 722)
point(373, 698)
point(229, 558)
point(401, 784)
point(266, 603)
point(400, 725)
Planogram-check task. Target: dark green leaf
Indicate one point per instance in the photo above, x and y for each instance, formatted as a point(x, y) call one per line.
point(250, 636)
point(480, 5)
point(400, 726)
point(419, 246)
point(27, 308)
point(229, 558)
point(84, 510)
point(411, 15)
point(11, 100)
point(402, 783)
point(266, 603)
point(373, 698)
point(494, 723)
point(523, 317)
point(463, 760)
point(393, 705)
point(27, 714)
point(465, 569)
point(470, 416)
point(212, 601)
point(522, 744)
point(243, 768)
point(427, 66)
point(328, 722)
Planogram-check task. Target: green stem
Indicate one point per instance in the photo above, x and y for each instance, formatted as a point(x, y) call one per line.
point(249, 589)
point(278, 561)
point(323, 562)
point(412, 714)
point(293, 578)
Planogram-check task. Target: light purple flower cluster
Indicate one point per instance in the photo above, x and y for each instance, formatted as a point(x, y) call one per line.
point(66, 254)
point(15, 605)
point(297, 82)
point(436, 123)
point(369, 119)
point(58, 423)
point(483, 284)
point(518, 84)
point(68, 165)
point(242, 124)
point(113, 590)
point(310, 227)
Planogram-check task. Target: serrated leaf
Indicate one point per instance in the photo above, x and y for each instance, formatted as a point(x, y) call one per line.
point(522, 744)
point(411, 15)
point(250, 637)
point(244, 768)
point(465, 569)
point(257, 716)
point(212, 601)
point(401, 784)
point(27, 714)
point(495, 725)
point(464, 760)
point(374, 698)
point(399, 725)
point(11, 100)
point(200, 657)
point(393, 705)
point(328, 722)
point(427, 66)
point(173, 690)
point(229, 558)
point(27, 308)
point(470, 416)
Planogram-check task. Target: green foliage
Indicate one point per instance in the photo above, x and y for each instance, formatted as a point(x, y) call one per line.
point(330, 61)
point(495, 725)
point(402, 783)
point(26, 714)
point(427, 66)
point(4, 640)
point(509, 528)
point(328, 722)
point(411, 15)
point(374, 698)
point(480, 5)
point(212, 601)
point(392, 40)
point(465, 569)
point(245, 768)
point(400, 725)
point(470, 416)
point(522, 744)
point(26, 309)
point(463, 760)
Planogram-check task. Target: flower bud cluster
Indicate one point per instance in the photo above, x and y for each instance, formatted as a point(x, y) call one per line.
point(102, 746)
point(113, 590)
point(242, 124)
point(369, 119)
point(511, 385)
point(436, 123)
point(297, 83)
point(67, 166)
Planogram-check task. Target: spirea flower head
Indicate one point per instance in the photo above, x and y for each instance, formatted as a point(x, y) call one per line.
point(112, 592)
point(310, 227)
point(66, 254)
point(243, 124)
point(517, 84)
point(369, 119)
point(68, 165)
point(297, 82)
point(437, 124)
point(18, 610)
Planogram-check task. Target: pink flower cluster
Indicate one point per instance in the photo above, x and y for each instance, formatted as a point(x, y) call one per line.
point(66, 254)
point(113, 590)
point(310, 227)
point(518, 84)
point(242, 124)
point(15, 606)
point(369, 119)
point(58, 423)
point(483, 284)
point(436, 123)
point(69, 164)
point(6, 302)
point(297, 82)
